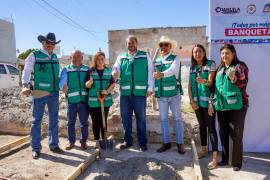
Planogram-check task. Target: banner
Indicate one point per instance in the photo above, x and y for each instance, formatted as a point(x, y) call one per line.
point(246, 24)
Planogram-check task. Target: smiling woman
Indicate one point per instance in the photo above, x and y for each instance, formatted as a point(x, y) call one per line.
point(230, 100)
point(100, 83)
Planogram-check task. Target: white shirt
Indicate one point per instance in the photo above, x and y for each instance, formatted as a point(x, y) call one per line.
point(117, 64)
point(174, 68)
point(29, 66)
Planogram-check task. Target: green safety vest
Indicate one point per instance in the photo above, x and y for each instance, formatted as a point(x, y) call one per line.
point(46, 72)
point(200, 92)
point(134, 74)
point(227, 95)
point(76, 83)
point(167, 86)
point(100, 83)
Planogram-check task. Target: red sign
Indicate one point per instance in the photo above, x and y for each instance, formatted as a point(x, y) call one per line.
point(247, 32)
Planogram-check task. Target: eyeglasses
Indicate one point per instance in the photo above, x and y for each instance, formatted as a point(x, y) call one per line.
point(50, 43)
point(164, 45)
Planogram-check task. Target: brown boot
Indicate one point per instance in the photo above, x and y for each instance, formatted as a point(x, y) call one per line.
point(164, 147)
point(83, 146)
point(180, 149)
point(69, 146)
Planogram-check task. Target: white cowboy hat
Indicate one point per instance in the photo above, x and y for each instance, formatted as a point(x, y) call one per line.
point(166, 39)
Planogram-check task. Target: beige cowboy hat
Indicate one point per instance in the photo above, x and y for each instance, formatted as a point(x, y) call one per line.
point(166, 39)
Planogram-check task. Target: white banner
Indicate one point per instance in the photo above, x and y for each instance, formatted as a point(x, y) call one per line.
point(246, 24)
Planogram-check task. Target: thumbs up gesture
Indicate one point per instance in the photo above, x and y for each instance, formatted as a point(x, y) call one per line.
point(232, 73)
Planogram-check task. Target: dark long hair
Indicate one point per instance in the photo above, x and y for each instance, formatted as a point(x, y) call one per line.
point(193, 61)
point(235, 60)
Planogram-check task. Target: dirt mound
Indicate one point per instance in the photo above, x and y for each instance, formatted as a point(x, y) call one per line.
point(16, 116)
point(140, 168)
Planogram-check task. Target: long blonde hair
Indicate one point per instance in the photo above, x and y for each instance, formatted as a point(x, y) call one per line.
point(94, 63)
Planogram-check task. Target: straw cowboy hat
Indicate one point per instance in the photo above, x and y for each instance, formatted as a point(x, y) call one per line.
point(166, 39)
point(49, 37)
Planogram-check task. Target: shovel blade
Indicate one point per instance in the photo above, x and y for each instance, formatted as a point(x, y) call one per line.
point(106, 144)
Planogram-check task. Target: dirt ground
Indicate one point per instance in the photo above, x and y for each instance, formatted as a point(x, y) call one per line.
point(4, 139)
point(122, 165)
point(256, 166)
point(149, 165)
point(126, 164)
point(20, 165)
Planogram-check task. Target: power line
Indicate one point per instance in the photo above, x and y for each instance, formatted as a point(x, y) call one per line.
point(82, 5)
point(70, 19)
point(46, 9)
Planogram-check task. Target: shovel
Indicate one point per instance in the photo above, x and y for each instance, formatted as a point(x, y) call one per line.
point(106, 144)
point(39, 93)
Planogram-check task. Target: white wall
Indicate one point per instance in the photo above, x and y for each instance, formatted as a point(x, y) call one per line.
point(256, 55)
point(7, 42)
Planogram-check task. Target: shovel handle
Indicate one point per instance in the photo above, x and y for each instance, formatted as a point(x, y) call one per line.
point(101, 98)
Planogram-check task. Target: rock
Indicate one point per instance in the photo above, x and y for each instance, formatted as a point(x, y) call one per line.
point(16, 110)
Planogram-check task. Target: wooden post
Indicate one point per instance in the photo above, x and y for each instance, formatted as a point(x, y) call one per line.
point(154, 103)
point(25, 140)
point(81, 168)
point(196, 164)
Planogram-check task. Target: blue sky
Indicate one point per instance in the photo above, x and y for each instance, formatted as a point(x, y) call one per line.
point(97, 16)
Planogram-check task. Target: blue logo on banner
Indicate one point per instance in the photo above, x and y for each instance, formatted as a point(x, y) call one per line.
point(230, 10)
point(251, 9)
point(240, 41)
point(266, 8)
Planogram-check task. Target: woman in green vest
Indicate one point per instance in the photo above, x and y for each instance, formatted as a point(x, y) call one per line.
point(202, 73)
point(230, 101)
point(99, 80)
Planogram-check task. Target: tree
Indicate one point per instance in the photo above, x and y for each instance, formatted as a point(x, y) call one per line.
point(24, 55)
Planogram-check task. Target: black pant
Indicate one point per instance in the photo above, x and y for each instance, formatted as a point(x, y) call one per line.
point(96, 117)
point(231, 128)
point(207, 122)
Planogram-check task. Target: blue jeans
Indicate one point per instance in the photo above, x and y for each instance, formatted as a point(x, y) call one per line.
point(52, 101)
point(164, 103)
point(82, 110)
point(128, 104)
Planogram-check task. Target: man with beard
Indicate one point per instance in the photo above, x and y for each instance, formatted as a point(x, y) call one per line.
point(134, 69)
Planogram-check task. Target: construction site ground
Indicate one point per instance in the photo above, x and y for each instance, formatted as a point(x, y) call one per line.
point(256, 166)
point(121, 164)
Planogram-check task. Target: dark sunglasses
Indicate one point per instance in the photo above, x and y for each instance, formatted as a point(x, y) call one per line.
point(50, 43)
point(164, 44)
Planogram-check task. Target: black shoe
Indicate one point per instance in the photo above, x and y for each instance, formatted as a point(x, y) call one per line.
point(180, 149)
point(222, 163)
point(35, 154)
point(143, 148)
point(125, 145)
point(57, 150)
point(236, 168)
point(164, 147)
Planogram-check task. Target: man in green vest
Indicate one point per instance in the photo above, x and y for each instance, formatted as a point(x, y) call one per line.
point(72, 83)
point(168, 92)
point(43, 68)
point(134, 70)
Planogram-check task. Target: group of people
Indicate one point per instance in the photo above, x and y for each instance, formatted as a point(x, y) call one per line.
point(221, 90)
